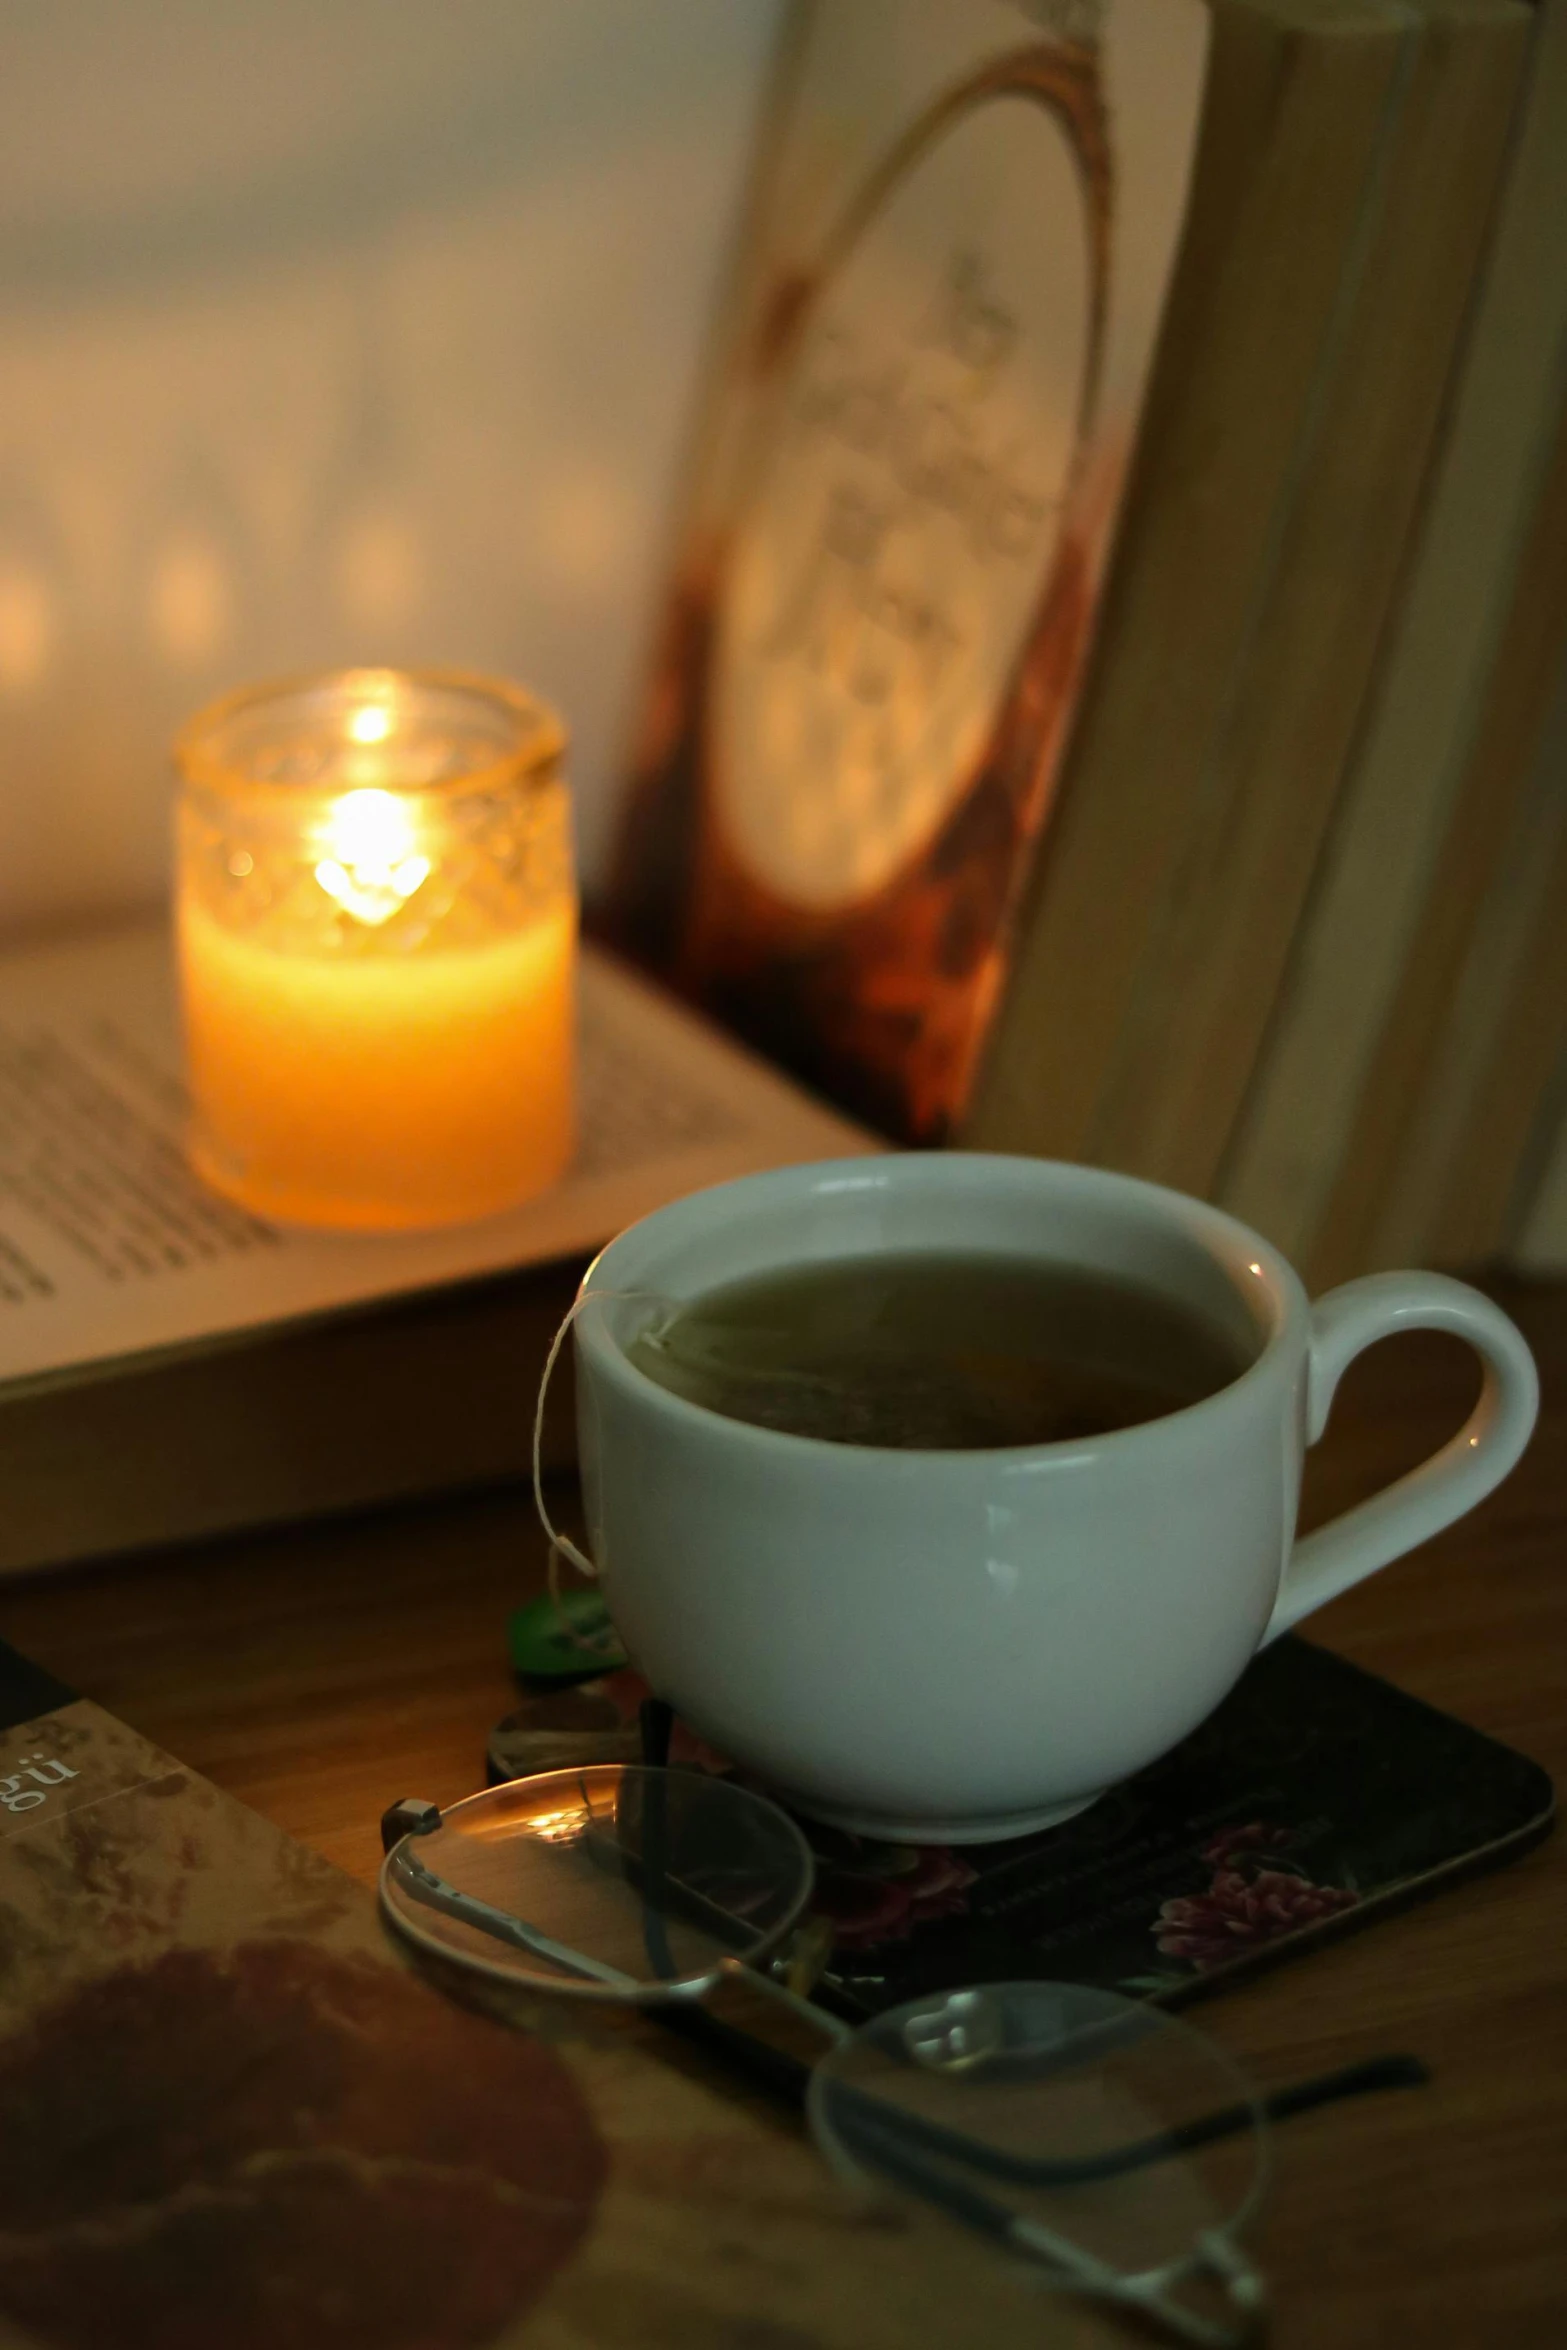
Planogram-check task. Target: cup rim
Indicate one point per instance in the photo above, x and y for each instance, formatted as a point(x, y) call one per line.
point(1281, 1285)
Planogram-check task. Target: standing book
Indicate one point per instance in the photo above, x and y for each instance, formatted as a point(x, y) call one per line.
point(1458, 700)
point(1246, 815)
point(1044, 902)
point(921, 418)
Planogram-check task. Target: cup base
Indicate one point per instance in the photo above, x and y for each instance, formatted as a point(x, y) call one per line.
point(889, 1828)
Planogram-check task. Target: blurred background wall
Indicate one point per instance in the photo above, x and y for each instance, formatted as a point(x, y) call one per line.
point(336, 330)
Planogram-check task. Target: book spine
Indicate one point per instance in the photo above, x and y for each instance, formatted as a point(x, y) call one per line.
point(1275, 209)
point(1476, 1023)
point(1277, 765)
point(1539, 1241)
point(1324, 1099)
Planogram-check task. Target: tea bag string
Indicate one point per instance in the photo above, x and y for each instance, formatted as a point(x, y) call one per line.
point(561, 1545)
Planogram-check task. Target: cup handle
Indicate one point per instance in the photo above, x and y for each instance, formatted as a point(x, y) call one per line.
point(1344, 1322)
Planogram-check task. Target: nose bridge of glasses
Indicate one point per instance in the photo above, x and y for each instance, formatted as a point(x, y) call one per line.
point(962, 2029)
point(822, 2020)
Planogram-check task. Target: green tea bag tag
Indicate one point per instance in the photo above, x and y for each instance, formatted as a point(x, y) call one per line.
point(564, 1638)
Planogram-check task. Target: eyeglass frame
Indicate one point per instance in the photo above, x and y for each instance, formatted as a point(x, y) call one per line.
point(899, 2154)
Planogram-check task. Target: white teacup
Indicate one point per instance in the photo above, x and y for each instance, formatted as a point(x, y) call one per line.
point(956, 1646)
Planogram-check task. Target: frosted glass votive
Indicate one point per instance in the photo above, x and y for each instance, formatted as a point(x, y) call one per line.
point(377, 929)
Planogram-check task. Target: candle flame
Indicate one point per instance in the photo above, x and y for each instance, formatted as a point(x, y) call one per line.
point(373, 866)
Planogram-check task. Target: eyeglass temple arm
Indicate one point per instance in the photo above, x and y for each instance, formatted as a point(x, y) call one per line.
point(1022, 2170)
point(887, 2151)
point(500, 1925)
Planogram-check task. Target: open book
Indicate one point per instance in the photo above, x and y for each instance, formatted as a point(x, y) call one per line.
point(118, 1268)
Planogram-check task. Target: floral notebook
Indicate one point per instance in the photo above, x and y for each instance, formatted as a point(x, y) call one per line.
point(1317, 1799)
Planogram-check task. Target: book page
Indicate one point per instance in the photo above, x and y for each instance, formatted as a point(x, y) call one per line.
point(110, 1245)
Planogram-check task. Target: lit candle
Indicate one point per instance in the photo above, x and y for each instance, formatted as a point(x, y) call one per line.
point(377, 929)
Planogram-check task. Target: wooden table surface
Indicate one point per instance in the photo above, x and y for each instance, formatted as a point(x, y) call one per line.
point(319, 1672)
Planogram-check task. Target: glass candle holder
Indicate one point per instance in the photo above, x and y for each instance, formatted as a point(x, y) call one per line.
point(377, 922)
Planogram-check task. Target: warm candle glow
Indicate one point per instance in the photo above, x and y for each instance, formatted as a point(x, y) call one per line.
point(372, 869)
point(372, 724)
point(378, 981)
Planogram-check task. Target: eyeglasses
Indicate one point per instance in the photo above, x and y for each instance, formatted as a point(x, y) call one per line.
point(1108, 2143)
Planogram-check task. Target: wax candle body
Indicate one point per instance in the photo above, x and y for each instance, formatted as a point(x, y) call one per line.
point(380, 1090)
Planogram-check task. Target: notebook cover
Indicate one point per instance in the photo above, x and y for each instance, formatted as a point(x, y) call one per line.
point(1315, 1800)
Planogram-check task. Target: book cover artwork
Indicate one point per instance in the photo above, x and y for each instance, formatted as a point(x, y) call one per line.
point(919, 430)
